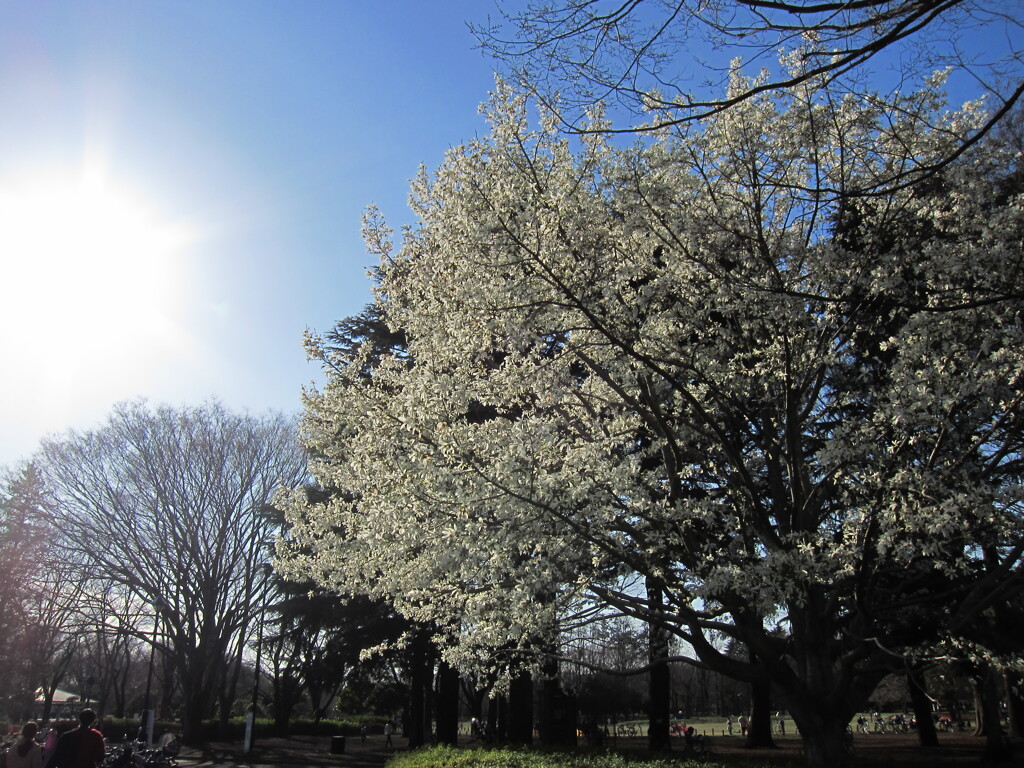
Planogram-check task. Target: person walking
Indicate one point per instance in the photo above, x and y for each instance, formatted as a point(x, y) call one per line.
point(25, 753)
point(80, 748)
point(388, 730)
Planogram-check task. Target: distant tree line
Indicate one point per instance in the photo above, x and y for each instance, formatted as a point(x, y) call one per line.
point(136, 571)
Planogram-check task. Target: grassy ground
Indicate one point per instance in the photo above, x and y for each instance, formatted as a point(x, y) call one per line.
point(446, 757)
point(709, 726)
point(719, 726)
point(956, 750)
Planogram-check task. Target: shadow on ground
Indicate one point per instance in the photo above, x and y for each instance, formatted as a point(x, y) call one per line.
point(870, 751)
point(296, 752)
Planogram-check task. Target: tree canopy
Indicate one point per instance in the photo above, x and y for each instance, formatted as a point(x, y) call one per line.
point(665, 62)
point(799, 415)
point(671, 54)
point(169, 503)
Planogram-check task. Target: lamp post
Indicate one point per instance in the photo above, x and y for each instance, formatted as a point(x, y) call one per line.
point(146, 727)
point(251, 731)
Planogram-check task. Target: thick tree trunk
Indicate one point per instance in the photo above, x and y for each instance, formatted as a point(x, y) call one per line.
point(495, 720)
point(192, 718)
point(520, 710)
point(282, 716)
point(825, 692)
point(194, 668)
point(659, 709)
point(229, 692)
point(825, 735)
point(556, 719)
point(447, 704)
point(829, 748)
point(47, 705)
point(556, 715)
point(926, 734)
point(759, 733)
point(418, 684)
point(659, 682)
point(997, 748)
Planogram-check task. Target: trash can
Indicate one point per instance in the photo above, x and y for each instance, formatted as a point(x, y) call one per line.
point(337, 745)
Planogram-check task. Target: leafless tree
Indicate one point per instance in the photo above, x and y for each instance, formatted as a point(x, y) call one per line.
point(169, 503)
point(116, 630)
point(666, 62)
point(55, 626)
point(39, 625)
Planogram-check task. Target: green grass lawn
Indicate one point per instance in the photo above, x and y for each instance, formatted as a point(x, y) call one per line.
point(709, 726)
point(447, 757)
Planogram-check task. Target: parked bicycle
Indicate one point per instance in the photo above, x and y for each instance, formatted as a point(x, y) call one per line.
point(898, 724)
point(135, 754)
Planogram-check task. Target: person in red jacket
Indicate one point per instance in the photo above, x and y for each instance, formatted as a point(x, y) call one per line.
point(79, 748)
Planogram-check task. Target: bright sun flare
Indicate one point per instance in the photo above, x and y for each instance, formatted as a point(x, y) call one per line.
point(88, 277)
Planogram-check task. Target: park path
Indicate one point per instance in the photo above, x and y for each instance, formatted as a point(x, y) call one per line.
point(297, 752)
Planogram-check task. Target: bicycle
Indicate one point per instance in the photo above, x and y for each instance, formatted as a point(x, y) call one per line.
point(135, 754)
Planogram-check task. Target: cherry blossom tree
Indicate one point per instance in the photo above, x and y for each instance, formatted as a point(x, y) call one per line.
point(702, 361)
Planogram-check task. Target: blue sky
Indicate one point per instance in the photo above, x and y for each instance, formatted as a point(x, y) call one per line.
point(252, 135)
point(182, 182)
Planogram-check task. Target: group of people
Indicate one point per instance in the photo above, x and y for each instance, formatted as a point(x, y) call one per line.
point(81, 747)
point(389, 731)
point(743, 723)
point(779, 722)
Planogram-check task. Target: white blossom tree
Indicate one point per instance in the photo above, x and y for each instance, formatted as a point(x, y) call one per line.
point(695, 361)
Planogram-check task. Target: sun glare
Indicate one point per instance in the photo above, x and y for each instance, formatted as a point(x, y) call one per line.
point(89, 275)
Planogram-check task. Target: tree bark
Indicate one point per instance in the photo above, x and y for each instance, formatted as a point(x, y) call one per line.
point(447, 704)
point(495, 723)
point(980, 721)
point(556, 720)
point(418, 657)
point(520, 710)
point(658, 682)
point(759, 733)
point(824, 734)
point(926, 734)
point(196, 703)
point(229, 690)
point(997, 748)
